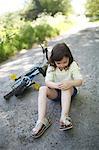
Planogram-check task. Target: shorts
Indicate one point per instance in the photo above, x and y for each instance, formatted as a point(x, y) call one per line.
point(58, 98)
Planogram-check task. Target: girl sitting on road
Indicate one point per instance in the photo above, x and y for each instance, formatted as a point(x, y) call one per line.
point(62, 77)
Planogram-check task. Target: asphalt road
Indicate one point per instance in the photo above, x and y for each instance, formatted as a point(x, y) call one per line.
point(18, 115)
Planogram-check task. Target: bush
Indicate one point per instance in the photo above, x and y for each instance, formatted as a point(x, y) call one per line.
point(24, 38)
point(22, 35)
point(44, 31)
point(92, 9)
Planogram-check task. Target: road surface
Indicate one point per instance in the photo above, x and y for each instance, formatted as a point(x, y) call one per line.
point(18, 115)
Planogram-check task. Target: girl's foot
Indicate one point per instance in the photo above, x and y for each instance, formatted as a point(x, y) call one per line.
point(66, 124)
point(40, 128)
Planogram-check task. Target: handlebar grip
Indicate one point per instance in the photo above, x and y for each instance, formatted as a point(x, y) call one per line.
point(7, 96)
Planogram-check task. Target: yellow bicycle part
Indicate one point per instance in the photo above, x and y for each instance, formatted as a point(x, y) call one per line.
point(36, 86)
point(13, 76)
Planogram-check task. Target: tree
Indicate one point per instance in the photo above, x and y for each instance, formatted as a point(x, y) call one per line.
point(92, 9)
point(54, 6)
point(28, 12)
point(34, 7)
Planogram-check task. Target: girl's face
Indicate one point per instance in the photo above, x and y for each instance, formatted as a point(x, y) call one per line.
point(63, 63)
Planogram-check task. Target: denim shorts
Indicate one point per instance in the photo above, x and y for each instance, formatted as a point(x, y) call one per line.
point(58, 98)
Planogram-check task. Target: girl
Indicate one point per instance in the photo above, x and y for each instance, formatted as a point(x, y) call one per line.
point(62, 77)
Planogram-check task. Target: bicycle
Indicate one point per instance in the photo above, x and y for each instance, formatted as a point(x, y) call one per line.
point(25, 81)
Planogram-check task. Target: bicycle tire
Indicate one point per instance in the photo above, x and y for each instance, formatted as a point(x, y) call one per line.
point(10, 94)
point(15, 91)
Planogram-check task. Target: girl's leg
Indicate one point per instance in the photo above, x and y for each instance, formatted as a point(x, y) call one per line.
point(44, 92)
point(42, 103)
point(65, 103)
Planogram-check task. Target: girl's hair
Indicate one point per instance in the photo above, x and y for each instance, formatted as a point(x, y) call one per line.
point(58, 52)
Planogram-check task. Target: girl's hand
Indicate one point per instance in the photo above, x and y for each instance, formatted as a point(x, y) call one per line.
point(53, 85)
point(57, 85)
point(65, 85)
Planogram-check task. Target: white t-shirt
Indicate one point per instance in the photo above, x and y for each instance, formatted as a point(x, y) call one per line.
point(56, 75)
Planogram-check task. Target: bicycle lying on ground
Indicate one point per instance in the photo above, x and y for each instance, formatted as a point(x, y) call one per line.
point(25, 81)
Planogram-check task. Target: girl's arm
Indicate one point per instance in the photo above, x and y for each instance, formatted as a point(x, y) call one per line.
point(64, 85)
point(53, 85)
point(76, 82)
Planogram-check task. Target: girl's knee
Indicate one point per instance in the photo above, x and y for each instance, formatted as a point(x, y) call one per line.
point(43, 88)
point(46, 90)
point(69, 91)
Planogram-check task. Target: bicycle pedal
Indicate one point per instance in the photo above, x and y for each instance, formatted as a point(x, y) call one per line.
point(36, 86)
point(13, 76)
